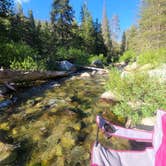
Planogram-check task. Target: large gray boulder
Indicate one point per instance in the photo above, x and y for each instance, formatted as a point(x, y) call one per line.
point(159, 73)
point(97, 63)
point(67, 66)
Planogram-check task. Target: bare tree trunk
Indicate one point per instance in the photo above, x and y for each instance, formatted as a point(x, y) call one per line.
point(7, 76)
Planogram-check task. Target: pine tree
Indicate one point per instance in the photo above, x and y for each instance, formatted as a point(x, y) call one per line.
point(87, 29)
point(61, 19)
point(106, 32)
point(132, 39)
point(31, 30)
point(123, 43)
point(152, 24)
point(99, 42)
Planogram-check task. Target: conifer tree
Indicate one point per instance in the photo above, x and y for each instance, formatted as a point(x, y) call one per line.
point(87, 29)
point(123, 43)
point(61, 19)
point(106, 32)
point(152, 24)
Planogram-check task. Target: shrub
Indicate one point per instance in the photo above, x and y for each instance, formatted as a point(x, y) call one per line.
point(11, 52)
point(74, 55)
point(27, 64)
point(139, 94)
point(155, 57)
point(128, 56)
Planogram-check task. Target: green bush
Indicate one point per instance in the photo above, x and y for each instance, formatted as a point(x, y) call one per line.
point(74, 55)
point(139, 94)
point(27, 64)
point(11, 52)
point(154, 57)
point(128, 56)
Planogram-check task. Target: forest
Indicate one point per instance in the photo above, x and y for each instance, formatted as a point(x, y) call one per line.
point(48, 114)
point(30, 44)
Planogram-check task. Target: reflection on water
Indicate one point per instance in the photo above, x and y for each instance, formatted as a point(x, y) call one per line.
point(54, 125)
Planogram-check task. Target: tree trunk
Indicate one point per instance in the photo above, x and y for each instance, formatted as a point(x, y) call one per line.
point(7, 76)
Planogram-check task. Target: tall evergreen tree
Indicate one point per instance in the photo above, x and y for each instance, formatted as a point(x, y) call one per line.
point(87, 29)
point(61, 19)
point(152, 24)
point(31, 31)
point(106, 32)
point(132, 39)
point(99, 42)
point(123, 43)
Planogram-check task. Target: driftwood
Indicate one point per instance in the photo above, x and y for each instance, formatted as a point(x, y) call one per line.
point(7, 76)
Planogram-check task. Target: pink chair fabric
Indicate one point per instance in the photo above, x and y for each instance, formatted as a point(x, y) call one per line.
point(160, 159)
point(155, 156)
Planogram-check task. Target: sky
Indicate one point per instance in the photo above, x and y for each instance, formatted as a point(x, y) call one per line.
point(127, 10)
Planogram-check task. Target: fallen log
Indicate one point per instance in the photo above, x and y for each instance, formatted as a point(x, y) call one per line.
point(7, 76)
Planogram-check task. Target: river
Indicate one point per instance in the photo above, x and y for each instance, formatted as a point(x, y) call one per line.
point(54, 124)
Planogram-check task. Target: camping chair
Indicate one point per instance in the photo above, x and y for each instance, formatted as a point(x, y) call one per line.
point(151, 156)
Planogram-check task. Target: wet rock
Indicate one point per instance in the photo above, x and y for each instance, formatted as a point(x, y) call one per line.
point(85, 75)
point(67, 66)
point(5, 104)
point(3, 90)
point(109, 97)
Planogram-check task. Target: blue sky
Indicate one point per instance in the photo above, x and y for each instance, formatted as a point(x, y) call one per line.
point(127, 10)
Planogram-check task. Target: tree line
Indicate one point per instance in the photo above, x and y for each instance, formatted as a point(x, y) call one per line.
point(33, 44)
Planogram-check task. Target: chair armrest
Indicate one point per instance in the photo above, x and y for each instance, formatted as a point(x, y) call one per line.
point(132, 134)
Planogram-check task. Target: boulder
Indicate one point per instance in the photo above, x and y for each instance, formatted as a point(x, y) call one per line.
point(67, 66)
point(85, 75)
point(131, 67)
point(150, 121)
point(109, 97)
point(98, 63)
point(159, 73)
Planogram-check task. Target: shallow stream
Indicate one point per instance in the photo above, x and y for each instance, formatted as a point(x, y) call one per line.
point(54, 124)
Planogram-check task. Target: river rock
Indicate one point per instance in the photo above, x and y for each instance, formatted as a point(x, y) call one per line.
point(85, 75)
point(3, 90)
point(109, 97)
point(67, 66)
point(97, 63)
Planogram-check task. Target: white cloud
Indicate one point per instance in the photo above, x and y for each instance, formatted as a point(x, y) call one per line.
point(22, 1)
